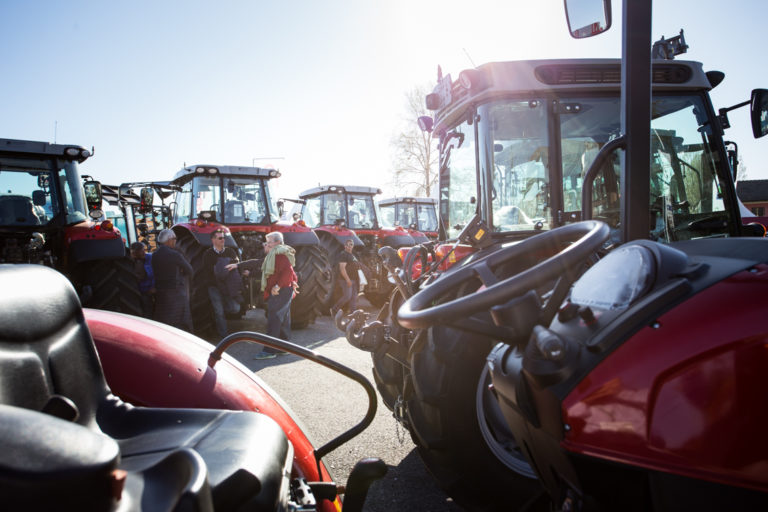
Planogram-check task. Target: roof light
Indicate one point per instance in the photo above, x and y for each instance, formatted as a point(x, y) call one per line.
point(472, 79)
point(84, 153)
point(200, 170)
point(212, 170)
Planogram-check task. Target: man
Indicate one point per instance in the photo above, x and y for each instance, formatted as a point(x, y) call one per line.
point(142, 268)
point(279, 284)
point(171, 272)
point(222, 280)
point(348, 278)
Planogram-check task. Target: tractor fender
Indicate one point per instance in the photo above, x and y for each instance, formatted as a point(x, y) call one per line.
point(300, 239)
point(92, 249)
point(399, 240)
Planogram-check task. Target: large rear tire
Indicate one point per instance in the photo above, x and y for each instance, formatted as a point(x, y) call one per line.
point(112, 286)
point(332, 249)
point(314, 275)
point(462, 439)
point(199, 303)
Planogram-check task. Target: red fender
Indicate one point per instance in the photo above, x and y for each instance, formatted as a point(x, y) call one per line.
point(147, 363)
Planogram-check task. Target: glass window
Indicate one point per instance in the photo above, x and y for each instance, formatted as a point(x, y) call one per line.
point(311, 211)
point(184, 203)
point(207, 195)
point(458, 179)
point(361, 211)
point(427, 217)
point(517, 132)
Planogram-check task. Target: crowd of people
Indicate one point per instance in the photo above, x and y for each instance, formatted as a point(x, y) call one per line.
point(164, 278)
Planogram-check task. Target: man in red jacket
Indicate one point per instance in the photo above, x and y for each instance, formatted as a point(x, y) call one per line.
point(279, 284)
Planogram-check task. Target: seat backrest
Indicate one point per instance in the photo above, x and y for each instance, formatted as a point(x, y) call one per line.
point(235, 211)
point(46, 349)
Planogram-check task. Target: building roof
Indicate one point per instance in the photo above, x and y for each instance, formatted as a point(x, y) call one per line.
point(750, 191)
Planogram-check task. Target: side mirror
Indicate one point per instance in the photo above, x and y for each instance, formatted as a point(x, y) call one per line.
point(426, 123)
point(147, 196)
point(732, 150)
point(92, 191)
point(587, 18)
point(280, 208)
point(759, 112)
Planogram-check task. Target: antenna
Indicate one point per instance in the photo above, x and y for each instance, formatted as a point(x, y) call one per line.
point(55, 130)
point(470, 58)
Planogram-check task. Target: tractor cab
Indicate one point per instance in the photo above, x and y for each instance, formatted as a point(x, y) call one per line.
point(417, 214)
point(232, 194)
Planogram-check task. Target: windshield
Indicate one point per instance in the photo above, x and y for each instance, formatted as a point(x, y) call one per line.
point(516, 133)
point(535, 185)
point(361, 211)
point(35, 192)
point(423, 217)
point(458, 179)
point(246, 200)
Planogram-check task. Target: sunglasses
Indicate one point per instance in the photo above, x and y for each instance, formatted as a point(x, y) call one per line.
point(218, 238)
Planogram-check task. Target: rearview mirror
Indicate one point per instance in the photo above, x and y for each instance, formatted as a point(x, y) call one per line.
point(759, 112)
point(147, 196)
point(92, 191)
point(587, 18)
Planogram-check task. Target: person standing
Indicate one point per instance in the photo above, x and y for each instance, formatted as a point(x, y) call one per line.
point(279, 284)
point(222, 280)
point(349, 279)
point(172, 273)
point(142, 269)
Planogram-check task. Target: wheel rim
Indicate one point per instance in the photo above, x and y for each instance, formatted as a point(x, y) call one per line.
point(495, 431)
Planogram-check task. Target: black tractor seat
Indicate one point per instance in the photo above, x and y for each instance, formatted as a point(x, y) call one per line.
point(66, 442)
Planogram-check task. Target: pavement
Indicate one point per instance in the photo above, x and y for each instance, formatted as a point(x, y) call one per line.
point(326, 404)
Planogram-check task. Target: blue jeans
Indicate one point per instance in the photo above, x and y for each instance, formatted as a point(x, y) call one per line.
point(222, 305)
point(279, 314)
point(348, 296)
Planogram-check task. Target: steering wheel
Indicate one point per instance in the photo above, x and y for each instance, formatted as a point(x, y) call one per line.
point(420, 310)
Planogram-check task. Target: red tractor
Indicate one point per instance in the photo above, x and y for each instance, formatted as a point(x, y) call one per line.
point(417, 214)
point(546, 134)
point(338, 213)
point(238, 200)
point(45, 219)
point(103, 411)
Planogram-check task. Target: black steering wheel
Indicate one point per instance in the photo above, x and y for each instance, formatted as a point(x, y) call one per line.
point(581, 240)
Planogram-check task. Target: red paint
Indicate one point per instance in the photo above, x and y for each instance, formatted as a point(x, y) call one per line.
point(151, 364)
point(689, 397)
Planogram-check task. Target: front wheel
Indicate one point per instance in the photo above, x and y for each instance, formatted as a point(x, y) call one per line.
point(459, 430)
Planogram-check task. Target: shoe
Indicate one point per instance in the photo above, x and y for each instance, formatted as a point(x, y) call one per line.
point(264, 355)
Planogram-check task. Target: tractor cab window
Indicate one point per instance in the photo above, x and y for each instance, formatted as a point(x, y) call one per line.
point(207, 195)
point(31, 194)
point(427, 217)
point(361, 211)
point(387, 215)
point(184, 211)
point(686, 198)
point(245, 201)
point(458, 179)
point(406, 215)
point(334, 209)
point(311, 211)
point(516, 133)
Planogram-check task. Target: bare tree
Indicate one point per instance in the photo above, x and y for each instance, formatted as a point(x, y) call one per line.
point(414, 152)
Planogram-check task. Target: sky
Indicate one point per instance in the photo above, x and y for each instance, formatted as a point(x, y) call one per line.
point(313, 88)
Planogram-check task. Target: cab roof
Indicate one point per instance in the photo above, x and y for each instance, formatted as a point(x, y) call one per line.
point(351, 189)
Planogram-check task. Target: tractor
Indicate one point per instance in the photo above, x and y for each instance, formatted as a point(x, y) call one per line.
point(417, 214)
point(529, 159)
point(338, 213)
point(45, 219)
point(237, 200)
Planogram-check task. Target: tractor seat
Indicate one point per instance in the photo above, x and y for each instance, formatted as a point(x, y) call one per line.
point(51, 380)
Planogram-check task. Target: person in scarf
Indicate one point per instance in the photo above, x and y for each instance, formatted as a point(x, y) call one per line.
point(279, 284)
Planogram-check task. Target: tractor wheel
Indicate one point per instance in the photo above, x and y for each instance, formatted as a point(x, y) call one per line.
point(112, 285)
point(199, 303)
point(388, 374)
point(459, 430)
point(332, 249)
point(314, 274)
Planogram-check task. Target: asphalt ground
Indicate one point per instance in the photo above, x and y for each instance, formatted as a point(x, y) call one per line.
point(327, 404)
